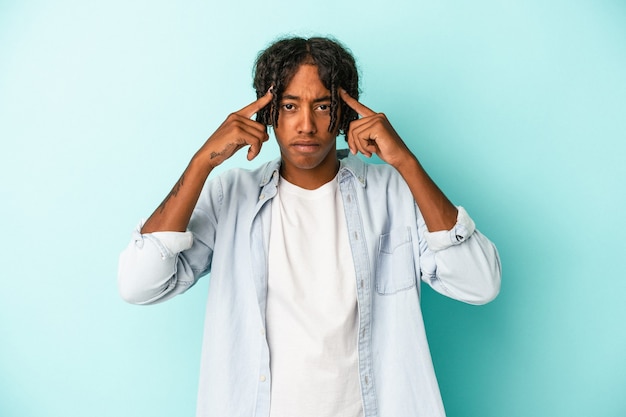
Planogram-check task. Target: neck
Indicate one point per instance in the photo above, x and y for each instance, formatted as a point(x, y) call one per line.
point(310, 179)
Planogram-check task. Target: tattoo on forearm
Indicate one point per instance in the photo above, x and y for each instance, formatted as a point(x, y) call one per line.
point(227, 149)
point(172, 193)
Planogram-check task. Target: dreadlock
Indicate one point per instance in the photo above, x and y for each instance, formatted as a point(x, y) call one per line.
point(276, 66)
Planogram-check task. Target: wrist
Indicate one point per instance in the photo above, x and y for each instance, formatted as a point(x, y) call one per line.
point(408, 166)
point(198, 166)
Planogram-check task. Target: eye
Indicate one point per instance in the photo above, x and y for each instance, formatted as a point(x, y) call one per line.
point(324, 107)
point(289, 106)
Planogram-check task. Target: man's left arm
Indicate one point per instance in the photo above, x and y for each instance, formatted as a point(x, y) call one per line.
point(467, 263)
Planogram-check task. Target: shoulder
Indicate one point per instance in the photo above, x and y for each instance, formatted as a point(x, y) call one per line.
point(383, 179)
point(235, 186)
point(372, 174)
point(238, 177)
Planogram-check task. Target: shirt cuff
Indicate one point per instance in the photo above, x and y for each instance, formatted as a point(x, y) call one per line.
point(169, 243)
point(461, 231)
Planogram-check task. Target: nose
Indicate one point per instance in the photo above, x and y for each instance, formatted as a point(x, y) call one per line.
point(306, 122)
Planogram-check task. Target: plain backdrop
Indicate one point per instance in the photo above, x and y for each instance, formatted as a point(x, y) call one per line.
point(516, 108)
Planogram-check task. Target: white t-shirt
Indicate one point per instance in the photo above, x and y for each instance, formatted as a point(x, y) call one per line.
point(311, 312)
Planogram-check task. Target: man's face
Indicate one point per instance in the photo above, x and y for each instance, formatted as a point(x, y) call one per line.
point(306, 146)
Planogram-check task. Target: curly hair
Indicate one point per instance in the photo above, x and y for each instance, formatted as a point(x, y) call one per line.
point(276, 66)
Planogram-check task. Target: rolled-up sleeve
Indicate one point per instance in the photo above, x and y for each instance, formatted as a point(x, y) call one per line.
point(460, 263)
point(149, 267)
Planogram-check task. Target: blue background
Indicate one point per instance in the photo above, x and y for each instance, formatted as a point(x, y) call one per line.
point(517, 110)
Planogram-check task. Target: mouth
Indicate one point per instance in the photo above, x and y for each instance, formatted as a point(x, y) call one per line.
point(305, 147)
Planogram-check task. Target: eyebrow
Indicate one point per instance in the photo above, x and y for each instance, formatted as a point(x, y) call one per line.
point(317, 100)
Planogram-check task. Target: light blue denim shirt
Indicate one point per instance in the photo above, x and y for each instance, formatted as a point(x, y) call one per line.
point(228, 237)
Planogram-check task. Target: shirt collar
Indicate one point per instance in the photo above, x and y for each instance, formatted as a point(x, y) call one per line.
point(349, 165)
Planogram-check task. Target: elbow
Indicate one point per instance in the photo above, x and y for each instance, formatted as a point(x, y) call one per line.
point(126, 284)
point(475, 275)
point(489, 293)
point(490, 279)
point(129, 292)
point(483, 290)
point(142, 279)
point(148, 268)
point(143, 286)
point(134, 290)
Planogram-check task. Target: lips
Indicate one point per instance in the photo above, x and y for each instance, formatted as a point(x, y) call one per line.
point(305, 146)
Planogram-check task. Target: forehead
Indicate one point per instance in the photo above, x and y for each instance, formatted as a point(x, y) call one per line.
point(306, 83)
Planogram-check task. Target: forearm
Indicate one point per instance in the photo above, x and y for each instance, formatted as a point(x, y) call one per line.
point(438, 212)
point(174, 212)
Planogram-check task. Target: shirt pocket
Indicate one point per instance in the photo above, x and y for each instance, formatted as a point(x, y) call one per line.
point(395, 266)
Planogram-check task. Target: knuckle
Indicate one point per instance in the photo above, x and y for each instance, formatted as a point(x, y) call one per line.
point(233, 117)
point(237, 128)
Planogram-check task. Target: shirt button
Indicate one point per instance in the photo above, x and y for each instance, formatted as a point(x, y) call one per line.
point(262, 196)
point(262, 332)
point(262, 379)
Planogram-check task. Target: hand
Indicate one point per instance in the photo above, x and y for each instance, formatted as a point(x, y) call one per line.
point(373, 134)
point(237, 131)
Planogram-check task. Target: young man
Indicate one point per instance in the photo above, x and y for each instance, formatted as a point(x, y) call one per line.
point(315, 259)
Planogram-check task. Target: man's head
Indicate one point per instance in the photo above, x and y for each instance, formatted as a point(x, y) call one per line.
point(277, 65)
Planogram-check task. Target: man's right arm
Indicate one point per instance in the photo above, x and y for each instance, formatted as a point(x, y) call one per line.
point(150, 269)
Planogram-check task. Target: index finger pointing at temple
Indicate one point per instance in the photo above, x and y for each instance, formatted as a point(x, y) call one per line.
point(355, 105)
point(257, 105)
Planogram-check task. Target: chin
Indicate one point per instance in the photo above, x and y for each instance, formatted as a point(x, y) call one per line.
point(305, 163)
